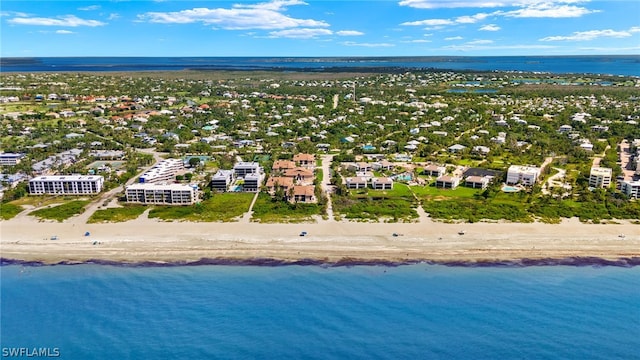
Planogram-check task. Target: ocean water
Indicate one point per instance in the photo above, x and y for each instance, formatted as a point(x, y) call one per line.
point(628, 65)
point(314, 312)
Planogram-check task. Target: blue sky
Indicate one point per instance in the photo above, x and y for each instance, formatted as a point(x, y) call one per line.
point(319, 28)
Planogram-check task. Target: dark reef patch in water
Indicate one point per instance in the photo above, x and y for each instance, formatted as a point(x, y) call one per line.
point(347, 262)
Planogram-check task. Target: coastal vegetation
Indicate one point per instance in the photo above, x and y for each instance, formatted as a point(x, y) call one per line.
point(66, 123)
point(61, 212)
point(9, 211)
point(119, 214)
point(220, 207)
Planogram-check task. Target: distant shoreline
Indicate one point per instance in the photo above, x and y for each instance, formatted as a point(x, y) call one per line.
point(602, 65)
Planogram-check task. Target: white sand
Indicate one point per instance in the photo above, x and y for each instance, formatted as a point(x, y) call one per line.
point(25, 238)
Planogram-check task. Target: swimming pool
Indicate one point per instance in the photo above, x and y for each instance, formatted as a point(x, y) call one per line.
point(507, 188)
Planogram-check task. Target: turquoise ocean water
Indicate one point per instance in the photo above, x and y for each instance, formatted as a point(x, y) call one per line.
point(314, 312)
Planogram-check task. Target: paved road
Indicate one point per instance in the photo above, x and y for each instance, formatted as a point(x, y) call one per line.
point(327, 188)
point(109, 195)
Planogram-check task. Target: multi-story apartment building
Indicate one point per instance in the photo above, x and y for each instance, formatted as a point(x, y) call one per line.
point(600, 177)
point(525, 175)
point(165, 170)
point(66, 185)
point(161, 194)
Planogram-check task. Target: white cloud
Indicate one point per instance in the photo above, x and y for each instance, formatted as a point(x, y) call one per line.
point(349, 33)
point(429, 22)
point(64, 32)
point(634, 29)
point(303, 33)
point(485, 47)
point(13, 13)
point(549, 10)
point(591, 35)
point(480, 42)
point(435, 4)
point(113, 16)
point(417, 41)
point(471, 19)
point(67, 21)
point(89, 8)
point(490, 27)
point(351, 43)
point(265, 16)
point(453, 38)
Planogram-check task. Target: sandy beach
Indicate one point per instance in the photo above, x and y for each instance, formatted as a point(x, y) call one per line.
point(148, 240)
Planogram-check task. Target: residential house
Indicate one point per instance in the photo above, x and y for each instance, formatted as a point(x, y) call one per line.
point(273, 182)
point(283, 165)
point(631, 188)
point(434, 170)
point(382, 183)
point(10, 159)
point(356, 182)
point(252, 182)
point(447, 182)
point(304, 193)
point(305, 160)
point(477, 182)
point(300, 175)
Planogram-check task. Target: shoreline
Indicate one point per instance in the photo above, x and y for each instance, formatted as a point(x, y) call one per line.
point(147, 242)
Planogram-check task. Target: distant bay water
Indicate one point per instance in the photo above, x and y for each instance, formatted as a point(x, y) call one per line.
point(627, 65)
point(313, 312)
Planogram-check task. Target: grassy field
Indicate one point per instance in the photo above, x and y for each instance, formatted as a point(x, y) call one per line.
point(220, 207)
point(9, 211)
point(429, 191)
point(61, 212)
point(397, 205)
point(126, 213)
point(266, 210)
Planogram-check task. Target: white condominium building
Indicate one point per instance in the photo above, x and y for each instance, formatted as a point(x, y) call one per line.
point(163, 171)
point(631, 189)
point(600, 177)
point(66, 185)
point(162, 194)
point(525, 175)
point(10, 159)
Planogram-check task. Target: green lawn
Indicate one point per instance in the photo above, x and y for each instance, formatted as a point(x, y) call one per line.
point(397, 205)
point(220, 207)
point(61, 212)
point(266, 210)
point(429, 191)
point(9, 211)
point(126, 213)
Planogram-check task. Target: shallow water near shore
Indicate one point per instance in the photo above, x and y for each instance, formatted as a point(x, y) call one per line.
point(412, 311)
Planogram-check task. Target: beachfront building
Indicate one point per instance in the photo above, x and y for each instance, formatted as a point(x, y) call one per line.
point(165, 170)
point(382, 183)
point(357, 182)
point(477, 182)
point(221, 180)
point(10, 159)
point(282, 182)
point(631, 188)
point(252, 182)
point(304, 194)
point(434, 170)
point(600, 177)
point(66, 185)
point(447, 182)
point(525, 175)
point(244, 168)
point(283, 165)
point(305, 160)
point(161, 194)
